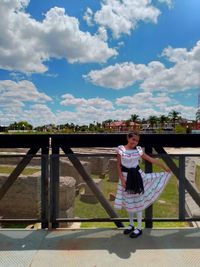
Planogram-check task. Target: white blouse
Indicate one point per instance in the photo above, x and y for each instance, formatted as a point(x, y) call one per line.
point(129, 157)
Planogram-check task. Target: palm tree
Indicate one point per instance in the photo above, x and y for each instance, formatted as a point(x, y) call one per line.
point(134, 117)
point(163, 119)
point(198, 115)
point(174, 116)
point(152, 120)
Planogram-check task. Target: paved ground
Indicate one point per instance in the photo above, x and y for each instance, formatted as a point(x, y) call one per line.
point(99, 248)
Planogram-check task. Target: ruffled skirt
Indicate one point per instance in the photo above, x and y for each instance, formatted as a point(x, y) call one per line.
point(154, 183)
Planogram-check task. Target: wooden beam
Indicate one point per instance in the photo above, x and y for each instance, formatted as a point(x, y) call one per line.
point(18, 170)
point(97, 192)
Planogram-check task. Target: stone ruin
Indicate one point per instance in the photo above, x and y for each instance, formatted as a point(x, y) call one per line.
point(23, 198)
point(18, 201)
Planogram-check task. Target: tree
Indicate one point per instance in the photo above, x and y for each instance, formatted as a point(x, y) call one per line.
point(163, 119)
point(21, 125)
point(174, 116)
point(134, 118)
point(152, 120)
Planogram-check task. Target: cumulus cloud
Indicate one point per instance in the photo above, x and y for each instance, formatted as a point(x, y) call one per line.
point(26, 44)
point(69, 100)
point(22, 100)
point(12, 92)
point(122, 17)
point(88, 16)
point(155, 76)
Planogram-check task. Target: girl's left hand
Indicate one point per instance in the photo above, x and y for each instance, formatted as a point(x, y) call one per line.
point(167, 169)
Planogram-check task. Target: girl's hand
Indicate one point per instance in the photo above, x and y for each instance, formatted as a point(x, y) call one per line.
point(123, 182)
point(167, 169)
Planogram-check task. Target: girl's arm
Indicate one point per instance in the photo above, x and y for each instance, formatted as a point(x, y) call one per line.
point(119, 170)
point(156, 162)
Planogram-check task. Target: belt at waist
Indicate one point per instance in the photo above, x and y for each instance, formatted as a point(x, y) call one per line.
point(134, 181)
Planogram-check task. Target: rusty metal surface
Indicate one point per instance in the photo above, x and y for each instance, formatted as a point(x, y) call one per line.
point(99, 248)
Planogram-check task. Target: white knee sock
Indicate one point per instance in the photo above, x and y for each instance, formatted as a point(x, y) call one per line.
point(139, 219)
point(131, 220)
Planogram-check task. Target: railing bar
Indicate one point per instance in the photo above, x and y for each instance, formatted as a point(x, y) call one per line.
point(126, 219)
point(182, 187)
point(44, 187)
point(54, 186)
point(149, 210)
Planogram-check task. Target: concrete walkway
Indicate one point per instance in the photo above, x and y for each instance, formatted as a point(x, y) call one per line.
point(99, 248)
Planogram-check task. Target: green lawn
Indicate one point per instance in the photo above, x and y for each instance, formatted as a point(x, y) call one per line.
point(165, 206)
point(9, 169)
point(198, 177)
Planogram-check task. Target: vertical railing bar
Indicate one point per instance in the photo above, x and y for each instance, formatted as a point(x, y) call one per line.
point(44, 186)
point(149, 210)
point(54, 186)
point(182, 187)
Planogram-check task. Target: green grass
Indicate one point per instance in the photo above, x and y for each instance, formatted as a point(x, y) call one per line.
point(167, 208)
point(197, 179)
point(9, 169)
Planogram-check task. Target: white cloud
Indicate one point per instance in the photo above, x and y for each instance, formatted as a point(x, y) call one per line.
point(92, 109)
point(168, 2)
point(102, 33)
point(22, 100)
point(69, 99)
point(12, 92)
point(145, 100)
point(88, 16)
point(183, 75)
point(39, 114)
point(122, 17)
point(25, 43)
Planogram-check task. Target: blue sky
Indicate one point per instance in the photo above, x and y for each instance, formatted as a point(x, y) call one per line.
point(84, 61)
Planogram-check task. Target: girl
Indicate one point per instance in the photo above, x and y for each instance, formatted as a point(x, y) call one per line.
point(137, 190)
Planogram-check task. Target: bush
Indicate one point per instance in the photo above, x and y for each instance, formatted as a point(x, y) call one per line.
point(180, 129)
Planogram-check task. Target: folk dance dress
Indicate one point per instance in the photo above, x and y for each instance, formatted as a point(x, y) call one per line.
point(153, 183)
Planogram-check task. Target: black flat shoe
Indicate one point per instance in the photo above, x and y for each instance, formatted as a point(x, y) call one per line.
point(128, 231)
point(134, 235)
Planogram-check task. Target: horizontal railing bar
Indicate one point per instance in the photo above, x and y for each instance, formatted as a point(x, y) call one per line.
point(19, 156)
point(125, 219)
point(94, 154)
point(8, 221)
point(114, 154)
point(19, 220)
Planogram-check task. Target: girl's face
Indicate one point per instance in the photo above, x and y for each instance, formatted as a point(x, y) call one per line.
point(133, 141)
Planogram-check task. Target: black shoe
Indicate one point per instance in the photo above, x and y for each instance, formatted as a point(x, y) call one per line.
point(134, 235)
point(128, 231)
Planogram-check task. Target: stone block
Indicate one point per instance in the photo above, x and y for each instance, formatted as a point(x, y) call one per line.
point(112, 171)
point(67, 169)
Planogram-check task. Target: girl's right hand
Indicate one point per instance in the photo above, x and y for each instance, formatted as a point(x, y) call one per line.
point(123, 182)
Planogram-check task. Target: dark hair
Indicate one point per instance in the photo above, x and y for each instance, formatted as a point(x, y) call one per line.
point(132, 134)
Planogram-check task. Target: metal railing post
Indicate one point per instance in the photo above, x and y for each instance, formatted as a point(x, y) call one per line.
point(149, 210)
point(54, 187)
point(44, 187)
point(181, 187)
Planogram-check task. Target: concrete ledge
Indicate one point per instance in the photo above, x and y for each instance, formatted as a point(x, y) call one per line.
point(99, 247)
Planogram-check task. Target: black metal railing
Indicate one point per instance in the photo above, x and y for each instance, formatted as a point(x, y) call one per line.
point(50, 147)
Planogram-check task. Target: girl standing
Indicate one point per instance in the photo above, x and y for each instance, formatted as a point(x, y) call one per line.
point(137, 190)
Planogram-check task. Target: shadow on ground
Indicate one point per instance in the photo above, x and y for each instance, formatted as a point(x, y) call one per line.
point(99, 239)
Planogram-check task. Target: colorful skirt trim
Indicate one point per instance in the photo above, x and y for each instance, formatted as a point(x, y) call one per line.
point(154, 184)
